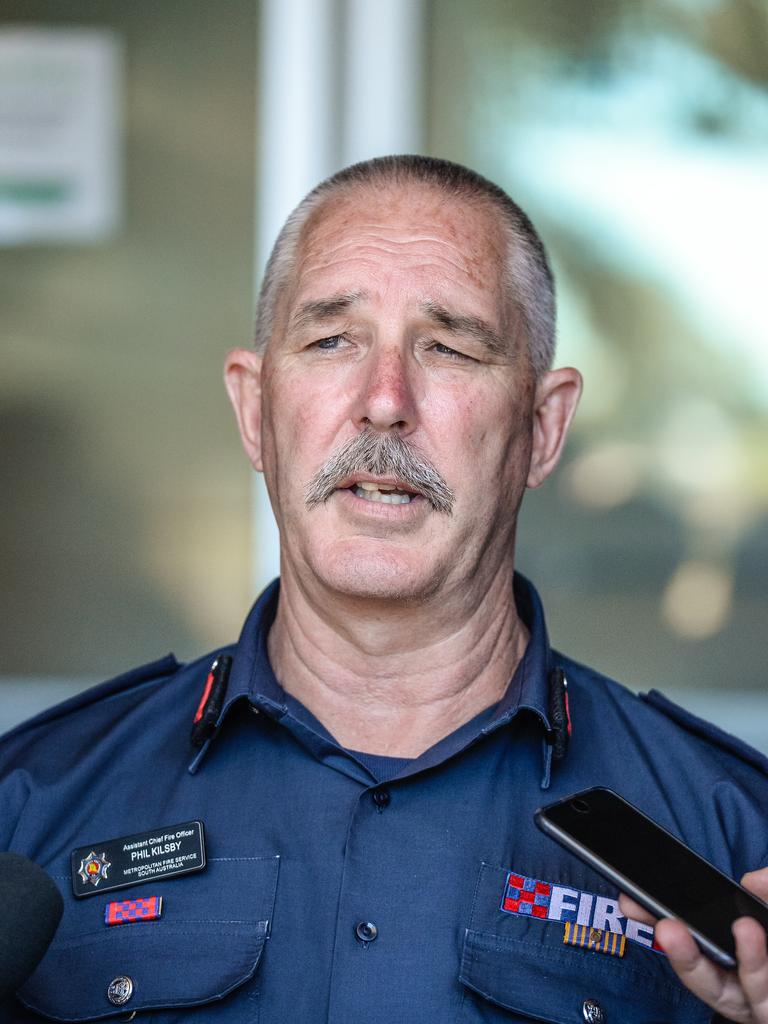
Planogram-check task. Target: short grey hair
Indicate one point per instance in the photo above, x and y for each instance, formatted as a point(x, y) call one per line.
point(530, 280)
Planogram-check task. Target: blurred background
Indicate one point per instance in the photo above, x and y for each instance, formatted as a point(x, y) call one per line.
point(149, 153)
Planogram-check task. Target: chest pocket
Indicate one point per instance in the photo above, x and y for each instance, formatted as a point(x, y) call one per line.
point(516, 968)
point(207, 943)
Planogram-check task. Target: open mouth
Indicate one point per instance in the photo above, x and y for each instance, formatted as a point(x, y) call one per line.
point(385, 494)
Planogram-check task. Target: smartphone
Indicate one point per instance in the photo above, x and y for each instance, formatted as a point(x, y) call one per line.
point(649, 864)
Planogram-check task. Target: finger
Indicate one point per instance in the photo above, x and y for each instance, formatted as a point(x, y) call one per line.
point(714, 985)
point(757, 882)
point(752, 955)
point(678, 943)
point(631, 909)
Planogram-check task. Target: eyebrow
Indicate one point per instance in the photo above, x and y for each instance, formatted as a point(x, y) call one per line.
point(461, 323)
point(319, 310)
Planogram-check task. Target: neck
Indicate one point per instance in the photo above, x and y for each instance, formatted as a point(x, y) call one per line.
point(395, 679)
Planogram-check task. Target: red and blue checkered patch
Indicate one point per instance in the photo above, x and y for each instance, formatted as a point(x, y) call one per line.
point(526, 896)
point(148, 908)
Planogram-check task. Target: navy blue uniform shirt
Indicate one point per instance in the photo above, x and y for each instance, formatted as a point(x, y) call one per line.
point(332, 896)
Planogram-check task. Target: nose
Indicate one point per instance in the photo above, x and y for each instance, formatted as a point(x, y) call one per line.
point(386, 397)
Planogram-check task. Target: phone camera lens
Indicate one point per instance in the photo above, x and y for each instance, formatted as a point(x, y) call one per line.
point(580, 806)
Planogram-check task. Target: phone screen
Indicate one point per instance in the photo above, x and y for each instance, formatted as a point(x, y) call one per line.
point(625, 839)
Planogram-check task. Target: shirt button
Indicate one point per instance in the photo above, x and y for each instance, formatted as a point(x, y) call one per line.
point(120, 990)
point(366, 931)
point(593, 1012)
point(381, 798)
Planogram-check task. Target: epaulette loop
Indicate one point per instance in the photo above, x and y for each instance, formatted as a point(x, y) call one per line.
point(212, 701)
point(706, 730)
point(559, 713)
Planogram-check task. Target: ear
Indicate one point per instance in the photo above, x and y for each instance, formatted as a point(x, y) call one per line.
point(557, 395)
point(242, 377)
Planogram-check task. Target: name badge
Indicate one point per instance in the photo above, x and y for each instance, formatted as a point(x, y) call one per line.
point(164, 852)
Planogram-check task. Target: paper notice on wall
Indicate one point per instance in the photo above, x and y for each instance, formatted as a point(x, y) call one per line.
point(60, 135)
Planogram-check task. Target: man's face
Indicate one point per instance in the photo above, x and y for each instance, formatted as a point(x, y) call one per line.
point(395, 324)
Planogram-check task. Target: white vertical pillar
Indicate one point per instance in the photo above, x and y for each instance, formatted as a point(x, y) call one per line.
point(383, 82)
point(338, 81)
point(297, 125)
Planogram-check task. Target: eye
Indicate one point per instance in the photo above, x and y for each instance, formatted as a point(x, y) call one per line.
point(329, 344)
point(448, 353)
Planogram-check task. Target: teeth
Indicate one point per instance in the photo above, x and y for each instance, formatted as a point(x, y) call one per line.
point(367, 486)
point(385, 495)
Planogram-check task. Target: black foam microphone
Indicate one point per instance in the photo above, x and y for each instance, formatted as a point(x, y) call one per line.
point(30, 909)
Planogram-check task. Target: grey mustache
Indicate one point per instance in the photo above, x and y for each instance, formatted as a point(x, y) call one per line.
point(381, 455)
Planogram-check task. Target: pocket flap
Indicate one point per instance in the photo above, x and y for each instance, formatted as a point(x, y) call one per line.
point(198, 951)
point(543, 984)
point(522, 963)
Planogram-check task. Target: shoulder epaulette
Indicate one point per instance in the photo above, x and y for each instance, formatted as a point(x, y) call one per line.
point(713, 733)
point(152, 670)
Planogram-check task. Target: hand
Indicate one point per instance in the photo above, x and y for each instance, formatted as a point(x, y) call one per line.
point(740, 995)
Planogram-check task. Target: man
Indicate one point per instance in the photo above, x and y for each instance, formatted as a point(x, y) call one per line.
point(367, 759)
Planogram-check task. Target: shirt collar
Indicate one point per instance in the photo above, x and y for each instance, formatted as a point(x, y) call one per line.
point(529, 687)
point(252, 677)
point(252, 674)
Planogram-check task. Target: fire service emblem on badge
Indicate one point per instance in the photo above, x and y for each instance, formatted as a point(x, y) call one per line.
point(94, 867)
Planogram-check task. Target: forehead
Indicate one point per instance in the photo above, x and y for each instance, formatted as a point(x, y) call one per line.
point(412, 238)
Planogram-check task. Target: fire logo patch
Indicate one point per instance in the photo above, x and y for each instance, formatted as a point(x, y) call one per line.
point(526, 896)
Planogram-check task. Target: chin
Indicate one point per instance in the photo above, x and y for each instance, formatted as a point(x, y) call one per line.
point(378, 577)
